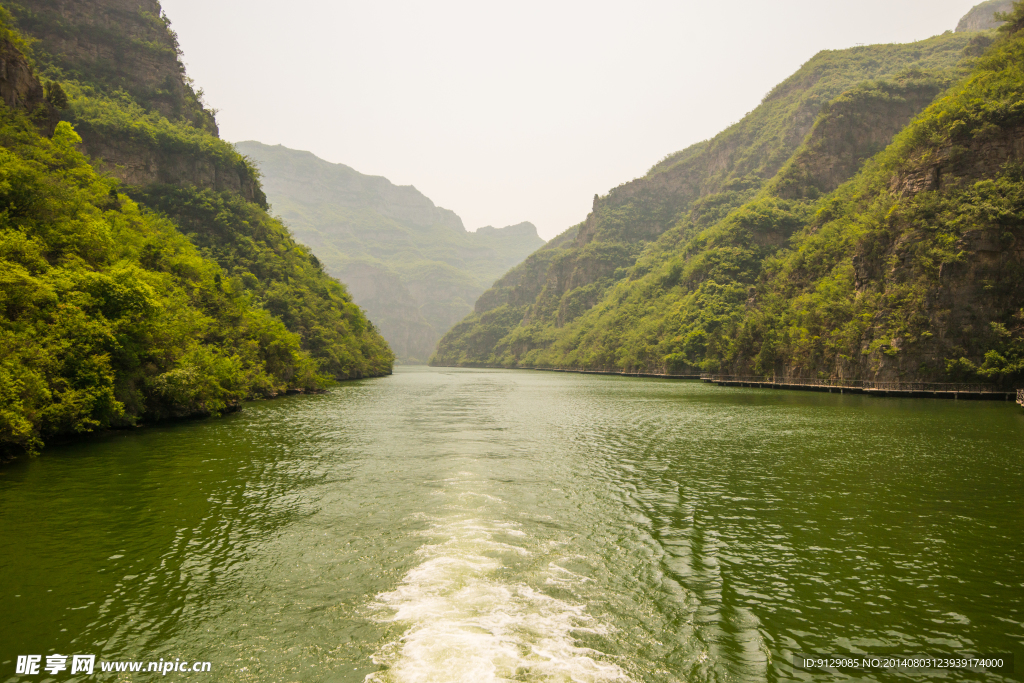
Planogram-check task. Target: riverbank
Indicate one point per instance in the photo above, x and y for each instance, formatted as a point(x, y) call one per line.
point(967, 392)
point(65, 439)
point(574, 371)
point(977, 392)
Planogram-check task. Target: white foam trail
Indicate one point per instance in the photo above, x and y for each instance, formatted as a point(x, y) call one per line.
point(466, 623)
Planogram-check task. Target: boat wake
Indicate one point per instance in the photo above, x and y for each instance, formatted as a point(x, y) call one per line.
point(466, 617)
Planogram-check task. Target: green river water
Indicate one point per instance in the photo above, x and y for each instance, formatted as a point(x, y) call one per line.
point(478, 525)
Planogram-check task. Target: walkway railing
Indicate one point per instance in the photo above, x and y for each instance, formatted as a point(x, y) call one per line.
point(863, 385)
point(789, 381)
point(935, 387)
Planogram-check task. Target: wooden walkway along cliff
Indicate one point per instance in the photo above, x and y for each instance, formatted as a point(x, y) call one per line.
point(976, 392)
point(581, 371)
point(846, 386)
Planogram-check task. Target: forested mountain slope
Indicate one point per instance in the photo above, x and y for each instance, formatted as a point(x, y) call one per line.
point(411, 265)
point(915, 268)
point(663, 271)
point(139, 297)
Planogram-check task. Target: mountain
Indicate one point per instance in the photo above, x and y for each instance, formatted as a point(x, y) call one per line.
point(411, 265)
point(839, 230)
point(984, 16)
point(141, 277)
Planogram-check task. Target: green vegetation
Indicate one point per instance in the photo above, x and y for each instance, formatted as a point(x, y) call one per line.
point(109, 315)
point(485, 333)
point(11, 36)
point(119, 117)
point(281, 274)
point(411, 265)
point(656, 224)
point(910, 270)
point(895, 277)
point(124, 304)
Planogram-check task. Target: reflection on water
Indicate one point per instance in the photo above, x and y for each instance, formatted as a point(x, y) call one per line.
point(445, 525)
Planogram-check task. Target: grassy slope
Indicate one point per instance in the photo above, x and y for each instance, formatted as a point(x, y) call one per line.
point(682, 196)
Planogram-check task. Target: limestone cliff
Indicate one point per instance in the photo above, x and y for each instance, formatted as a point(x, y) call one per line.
point(853, 128)
point(983, 17)
point(141, 163)
point(137, 113)
point(980, 283)
point(115, 44)
point(21, 89)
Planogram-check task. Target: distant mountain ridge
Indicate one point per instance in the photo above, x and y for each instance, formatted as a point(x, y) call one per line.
point(411, 264)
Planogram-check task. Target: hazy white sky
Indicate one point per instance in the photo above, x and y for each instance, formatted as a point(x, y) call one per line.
point(513, 111)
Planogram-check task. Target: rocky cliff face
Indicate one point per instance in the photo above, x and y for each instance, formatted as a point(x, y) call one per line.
point(983, 16)
point(952, 165)
point(140, 164)
point(984, 283)
point(983, 286)
point(20, 89)
point(124, 44)
point(852, 129)
point(138, 116)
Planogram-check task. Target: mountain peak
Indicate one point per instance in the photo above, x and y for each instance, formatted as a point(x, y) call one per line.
point(983, 17)
point(526, 228)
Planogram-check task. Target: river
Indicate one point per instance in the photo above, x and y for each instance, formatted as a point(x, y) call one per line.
point(488, 525)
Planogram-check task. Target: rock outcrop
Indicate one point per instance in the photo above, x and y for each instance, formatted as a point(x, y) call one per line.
point(983, 17)
point(973, 158)
point(124, 44)
point(20, 89)
point(140, 164)
point(852, 129)
point(127, 53)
